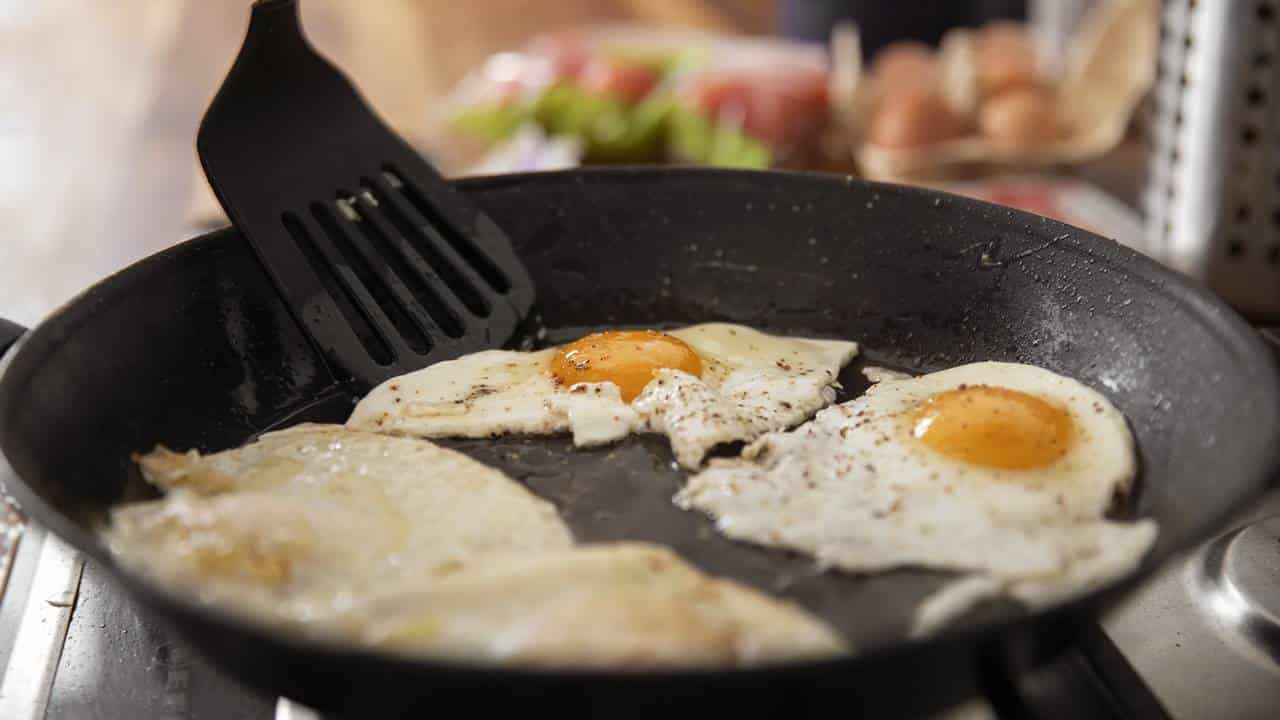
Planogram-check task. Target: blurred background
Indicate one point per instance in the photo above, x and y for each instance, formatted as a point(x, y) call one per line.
point(99, 102)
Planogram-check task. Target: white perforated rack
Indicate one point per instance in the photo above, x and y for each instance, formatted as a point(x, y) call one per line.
point(1213, 196)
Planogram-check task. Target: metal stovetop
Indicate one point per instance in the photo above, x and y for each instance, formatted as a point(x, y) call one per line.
point(73, 645)
point(1197, 641)
point(1204, 634)
point(1201, 639)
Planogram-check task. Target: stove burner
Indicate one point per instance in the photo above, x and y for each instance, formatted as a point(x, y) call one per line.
point(1240, 579)
point(1204, 633)
point(1199, 641)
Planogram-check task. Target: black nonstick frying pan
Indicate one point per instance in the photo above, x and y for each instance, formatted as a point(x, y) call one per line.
point(192, 348)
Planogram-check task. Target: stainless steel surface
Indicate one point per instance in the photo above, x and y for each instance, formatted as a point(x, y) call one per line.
point(115, 662)
point(10, 522)
point(288, 710)
point(1202, 633)
point(37, 646)
point(1238, 576)
point(73, 646)
point(1214, 170)
point(10, 531)
point(118, 662)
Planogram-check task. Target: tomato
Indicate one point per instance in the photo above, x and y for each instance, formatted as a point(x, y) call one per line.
point(498, 93)
point(779, 106)
point(566, 53)
point(628, 82)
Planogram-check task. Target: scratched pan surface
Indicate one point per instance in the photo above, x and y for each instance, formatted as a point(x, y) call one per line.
point(191, 348)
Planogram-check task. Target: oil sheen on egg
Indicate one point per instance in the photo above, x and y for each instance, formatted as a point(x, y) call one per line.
point(623, 605)
point(397, 544)
point(297, 525)
point(701, 386)
point(998, 470)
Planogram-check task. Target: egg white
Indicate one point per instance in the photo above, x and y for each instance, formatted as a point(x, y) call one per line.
point(296, 525)
point(752, 383)
point(623, 604)
point(857, 491)
point(401, 545)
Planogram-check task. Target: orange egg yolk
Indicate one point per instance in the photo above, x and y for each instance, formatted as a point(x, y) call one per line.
point(626, 358)
point(995, 427)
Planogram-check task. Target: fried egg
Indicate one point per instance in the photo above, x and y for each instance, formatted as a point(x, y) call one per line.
point(297, 524)
point(398, 544)
point(700, 386)
point(1002, 471)
point(622, 605)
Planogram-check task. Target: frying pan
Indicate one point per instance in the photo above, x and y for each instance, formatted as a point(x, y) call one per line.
point(192, 348)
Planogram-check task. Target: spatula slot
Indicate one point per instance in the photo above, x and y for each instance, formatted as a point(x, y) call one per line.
point(463, 245)
point(428, 244)
point(338, 291)
point(395, 249)
point(375, 280)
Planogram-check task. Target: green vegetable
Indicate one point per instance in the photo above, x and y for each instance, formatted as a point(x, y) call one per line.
point(553, 109)
point(490, 123)
point(663, 62)
point(613, 132)
point(610, 130)
point(632, 135)
point(693, 137)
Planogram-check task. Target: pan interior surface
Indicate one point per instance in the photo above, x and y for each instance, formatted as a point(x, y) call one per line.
point(624, 491)
point(192, 349)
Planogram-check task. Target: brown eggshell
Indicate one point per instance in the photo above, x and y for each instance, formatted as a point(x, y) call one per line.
point(904, 64)
point(913, 117)
point(1006, 58)
point(1021, 117)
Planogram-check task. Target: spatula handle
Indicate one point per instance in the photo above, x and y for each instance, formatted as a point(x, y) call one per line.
point(274, 17)
point(9, 334)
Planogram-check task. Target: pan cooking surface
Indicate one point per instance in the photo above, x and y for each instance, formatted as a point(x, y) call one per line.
point(623, 491)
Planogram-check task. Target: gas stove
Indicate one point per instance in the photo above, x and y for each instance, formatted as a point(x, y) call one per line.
point(1204, 634)
point(1199, 640)
point(74, 645)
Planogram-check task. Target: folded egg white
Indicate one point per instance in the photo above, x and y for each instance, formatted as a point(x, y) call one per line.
point(627, 605)
point(295, 525)
point(396, 543)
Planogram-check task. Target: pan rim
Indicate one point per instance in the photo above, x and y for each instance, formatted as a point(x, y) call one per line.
point(1228, 327)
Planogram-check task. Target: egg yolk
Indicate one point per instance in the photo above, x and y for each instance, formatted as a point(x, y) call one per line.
point(995, 427)
point(626, 358)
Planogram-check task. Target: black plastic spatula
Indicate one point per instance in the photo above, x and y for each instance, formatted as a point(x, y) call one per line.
point(385, 265)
